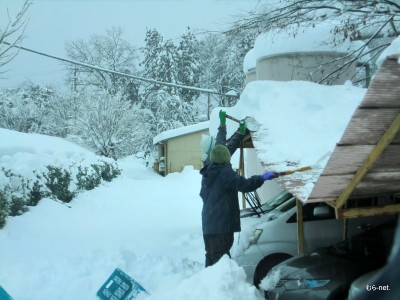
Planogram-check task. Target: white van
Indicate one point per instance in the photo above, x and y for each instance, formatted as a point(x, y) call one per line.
point(271, 238)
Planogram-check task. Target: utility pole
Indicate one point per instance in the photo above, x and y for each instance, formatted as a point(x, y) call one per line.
point(75, 79)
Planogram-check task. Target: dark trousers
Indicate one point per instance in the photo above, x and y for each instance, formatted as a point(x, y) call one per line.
point(217, 245)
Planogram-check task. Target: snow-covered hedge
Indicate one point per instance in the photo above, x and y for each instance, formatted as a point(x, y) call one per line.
point(60, 182)
point(35, 166)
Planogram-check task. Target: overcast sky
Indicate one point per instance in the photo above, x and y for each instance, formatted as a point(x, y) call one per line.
point(53, 22)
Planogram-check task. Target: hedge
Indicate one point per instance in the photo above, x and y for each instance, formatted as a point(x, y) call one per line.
point(61, 183)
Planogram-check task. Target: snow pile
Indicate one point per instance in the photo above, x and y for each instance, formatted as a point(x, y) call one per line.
point(271, 280)
point(301, 116)
point(298, 124)
point(215, 283)
point(24, 153)
point(147, 225)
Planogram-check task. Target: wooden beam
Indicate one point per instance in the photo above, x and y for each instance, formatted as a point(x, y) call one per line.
point(300, 227)
point(368, 211)
point(248, 142)
point(386, 139)
point(330, 203)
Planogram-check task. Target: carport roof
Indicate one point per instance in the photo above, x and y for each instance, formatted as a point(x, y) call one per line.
point(366, 161)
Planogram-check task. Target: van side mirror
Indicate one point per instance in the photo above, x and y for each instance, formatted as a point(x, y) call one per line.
point(323, 212)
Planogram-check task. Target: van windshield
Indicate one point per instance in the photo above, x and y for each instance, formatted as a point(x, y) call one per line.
point(279, 199)
point(271, 204)
point(288, 204)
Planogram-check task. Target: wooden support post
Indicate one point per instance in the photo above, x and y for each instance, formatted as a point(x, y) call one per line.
point(345, 223)
point(300, 228)
point(376, 152)
point(345, 228)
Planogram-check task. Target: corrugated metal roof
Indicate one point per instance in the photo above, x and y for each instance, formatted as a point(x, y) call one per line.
point(366, 161)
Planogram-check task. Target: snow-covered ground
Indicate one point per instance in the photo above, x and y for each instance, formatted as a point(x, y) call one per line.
point(147, 225)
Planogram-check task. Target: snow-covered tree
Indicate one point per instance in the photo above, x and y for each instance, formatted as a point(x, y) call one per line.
point(109, 51)
point(189, 70)
point(63, 109)
point(108, 124)
point(25, 109)
point(356, 18)
point(168, 66)
point(12, 28)
point(160, 62)
point(222, 66)
point(167, 109)
point(151, 57)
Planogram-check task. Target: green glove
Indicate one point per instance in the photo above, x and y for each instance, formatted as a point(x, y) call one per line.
point(222, 118)
point(242, 127)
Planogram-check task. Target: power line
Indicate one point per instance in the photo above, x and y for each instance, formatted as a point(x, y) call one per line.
point(120, 73)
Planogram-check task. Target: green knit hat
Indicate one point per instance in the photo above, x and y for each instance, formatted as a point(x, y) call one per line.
point(220, 155)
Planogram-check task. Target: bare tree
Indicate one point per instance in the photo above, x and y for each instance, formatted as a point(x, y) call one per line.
point(12, 34)
point(109, 51)
point(367, 20)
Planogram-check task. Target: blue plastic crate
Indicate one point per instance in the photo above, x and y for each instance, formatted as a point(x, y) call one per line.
point(120, 286)
point(4, 295)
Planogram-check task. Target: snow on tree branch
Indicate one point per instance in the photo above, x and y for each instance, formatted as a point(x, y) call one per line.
point(13, 33)
point(375, 22)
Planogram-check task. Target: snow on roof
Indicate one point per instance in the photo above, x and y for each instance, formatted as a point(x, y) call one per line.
point(298, 124)
point(250, 60)
point(168, 134)
point(394, 48)
point(306, 39)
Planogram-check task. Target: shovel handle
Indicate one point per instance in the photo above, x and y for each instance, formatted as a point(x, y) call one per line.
point(293, 171)
point(232, 118)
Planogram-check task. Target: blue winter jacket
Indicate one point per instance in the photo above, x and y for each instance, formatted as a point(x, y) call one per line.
point(219, 190)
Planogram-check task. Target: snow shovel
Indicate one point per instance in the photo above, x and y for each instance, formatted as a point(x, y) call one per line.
point(316, 167)
point(251, 123)
point(120, 286)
